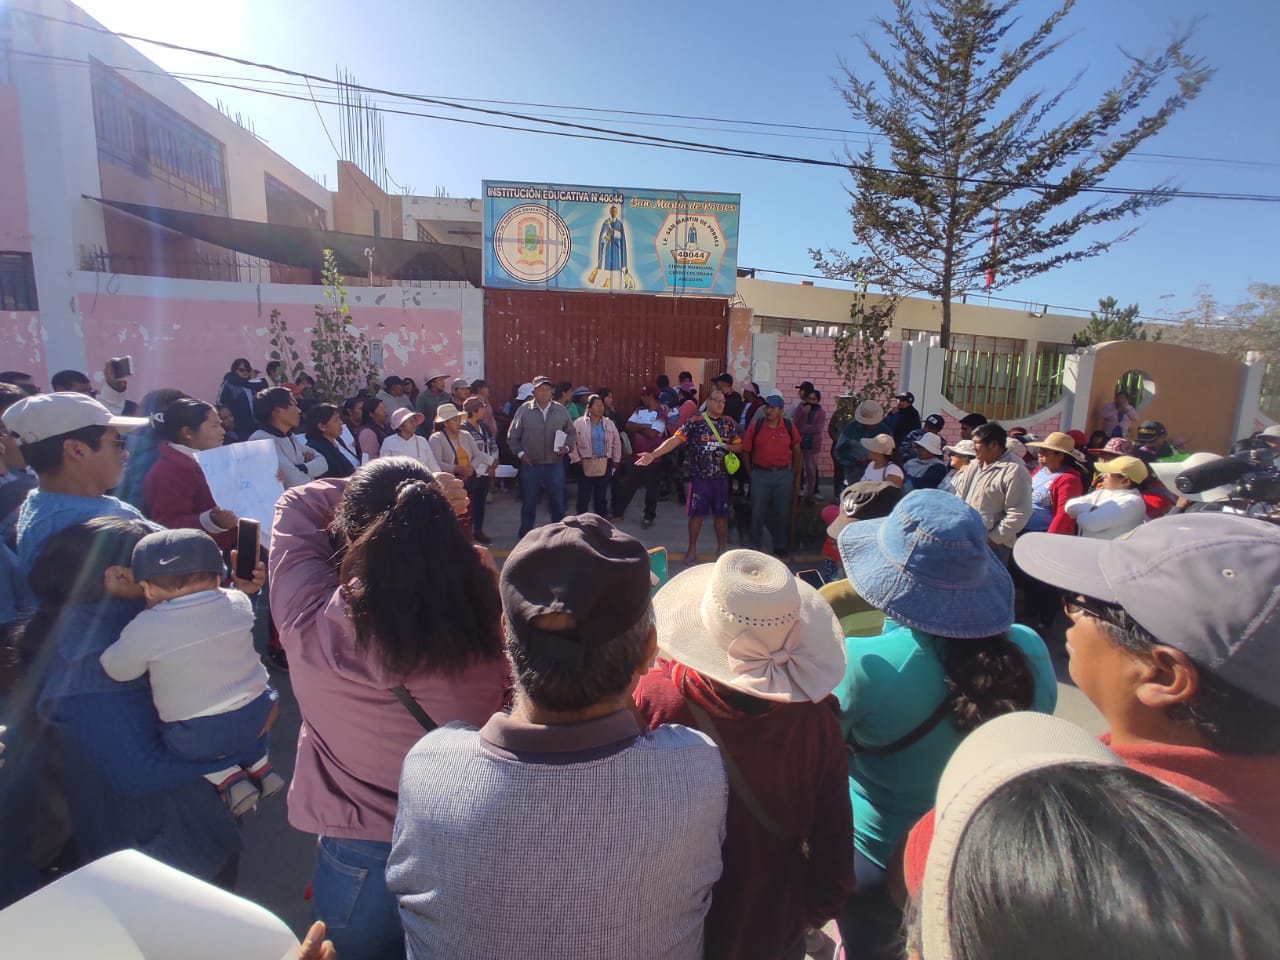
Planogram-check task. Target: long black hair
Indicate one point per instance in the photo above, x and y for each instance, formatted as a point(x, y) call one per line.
point(317, 415)
point(183, 413)
point(415, 588)
point(985, 678)
point(1086, 860)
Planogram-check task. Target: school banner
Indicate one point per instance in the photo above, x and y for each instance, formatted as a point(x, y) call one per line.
point(558, 237)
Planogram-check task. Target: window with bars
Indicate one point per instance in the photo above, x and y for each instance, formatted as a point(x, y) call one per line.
point(139, 133)
point(17, 282)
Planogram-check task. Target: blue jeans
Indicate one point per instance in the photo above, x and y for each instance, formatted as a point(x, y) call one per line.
point(349, 893)
point(771, 506)
point(534, 478)
point(871, 925)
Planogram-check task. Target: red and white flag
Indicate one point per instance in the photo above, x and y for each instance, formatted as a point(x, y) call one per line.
point(995, 233)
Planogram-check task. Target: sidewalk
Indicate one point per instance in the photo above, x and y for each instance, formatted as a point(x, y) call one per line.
point(670, 528)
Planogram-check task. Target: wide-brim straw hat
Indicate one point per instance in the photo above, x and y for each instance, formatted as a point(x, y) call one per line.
point(928, 566)
point(747, 622)
point(448, 411)
point(881, 443)
point(1058, 441)
point(869, 413)
point(404, 413)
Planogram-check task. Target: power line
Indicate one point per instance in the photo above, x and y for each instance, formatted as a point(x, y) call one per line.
point(623, 136)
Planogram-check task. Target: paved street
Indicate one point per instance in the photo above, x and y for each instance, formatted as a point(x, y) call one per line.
point(277, 861)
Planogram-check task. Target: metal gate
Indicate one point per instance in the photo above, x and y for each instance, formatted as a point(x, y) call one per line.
point(595, 339)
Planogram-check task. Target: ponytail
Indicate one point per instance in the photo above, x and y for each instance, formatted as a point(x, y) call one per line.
point(415, 589)
point(986, 678)
point(181, 414)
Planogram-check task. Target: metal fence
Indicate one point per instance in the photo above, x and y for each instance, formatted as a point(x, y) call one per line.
point(1003, 386)
point(1269, 401)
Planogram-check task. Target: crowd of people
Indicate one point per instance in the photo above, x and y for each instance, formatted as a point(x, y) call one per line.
point(568, 758)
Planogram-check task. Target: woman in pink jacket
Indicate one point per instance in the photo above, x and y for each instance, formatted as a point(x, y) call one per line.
point(598, 447)
point(375, 660)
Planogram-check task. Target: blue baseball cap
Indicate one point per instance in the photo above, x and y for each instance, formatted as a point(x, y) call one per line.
point(773, 400)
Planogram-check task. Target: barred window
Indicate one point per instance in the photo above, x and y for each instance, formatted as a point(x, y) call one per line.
point(17, 282)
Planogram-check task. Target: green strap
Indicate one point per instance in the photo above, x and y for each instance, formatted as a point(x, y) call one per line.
point(739, 783)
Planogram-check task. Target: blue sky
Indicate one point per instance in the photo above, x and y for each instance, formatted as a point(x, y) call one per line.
point(747, 61)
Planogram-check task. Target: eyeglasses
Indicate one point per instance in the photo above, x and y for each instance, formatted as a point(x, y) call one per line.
point(1073, 605)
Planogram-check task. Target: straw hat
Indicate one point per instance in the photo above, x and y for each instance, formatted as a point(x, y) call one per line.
point(447, 411)
point(880, 443)
point(1130, 467)
point(748, 623)
point(927, 565)
point(869, 413)
point(400, 416)
point(1016, 447)
point(999, 751)
point(1061, 442)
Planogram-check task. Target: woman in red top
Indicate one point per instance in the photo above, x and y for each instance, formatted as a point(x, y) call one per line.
point(1059, 478)
point(174, 490)
point(755, 654)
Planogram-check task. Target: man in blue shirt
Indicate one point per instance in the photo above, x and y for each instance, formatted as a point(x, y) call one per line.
point(73, 444)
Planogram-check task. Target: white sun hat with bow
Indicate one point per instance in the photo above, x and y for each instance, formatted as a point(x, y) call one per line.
point(747, 622)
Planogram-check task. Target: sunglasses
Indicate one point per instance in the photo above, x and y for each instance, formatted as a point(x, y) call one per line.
point(1073, 605)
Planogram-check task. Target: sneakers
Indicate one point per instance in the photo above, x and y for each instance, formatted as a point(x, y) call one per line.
point(268, 782)
point(239, 793)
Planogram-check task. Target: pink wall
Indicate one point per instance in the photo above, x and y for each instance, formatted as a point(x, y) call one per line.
point(15, 232)
point(190, 344)
point(21, 346)
point(810, 358)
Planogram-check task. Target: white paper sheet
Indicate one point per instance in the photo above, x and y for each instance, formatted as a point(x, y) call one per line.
point(505, 471)
point(560, 439)
point(242, 479)
point(127, 906)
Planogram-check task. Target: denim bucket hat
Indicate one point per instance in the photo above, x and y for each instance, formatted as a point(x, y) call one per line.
point(927, 566)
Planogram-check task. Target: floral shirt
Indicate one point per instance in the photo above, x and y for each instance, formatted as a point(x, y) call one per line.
point(706, 459)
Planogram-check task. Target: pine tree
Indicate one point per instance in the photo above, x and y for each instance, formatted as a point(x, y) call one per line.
point(966, 146)
point(1112, 322)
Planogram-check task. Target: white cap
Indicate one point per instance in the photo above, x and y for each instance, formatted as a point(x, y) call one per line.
point(525, 391)
point(52, 414)
point(1272, 431)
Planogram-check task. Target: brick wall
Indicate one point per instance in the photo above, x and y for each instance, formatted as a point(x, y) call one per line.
point(810, 358)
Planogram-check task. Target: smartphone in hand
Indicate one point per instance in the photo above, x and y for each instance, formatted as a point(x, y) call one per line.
point(122, 369)
point(248, 533)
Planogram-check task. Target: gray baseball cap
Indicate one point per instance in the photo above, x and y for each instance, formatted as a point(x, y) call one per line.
point(170, 552)
point(1207, 584)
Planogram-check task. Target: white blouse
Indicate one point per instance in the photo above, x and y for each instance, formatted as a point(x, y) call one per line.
point(415, 447)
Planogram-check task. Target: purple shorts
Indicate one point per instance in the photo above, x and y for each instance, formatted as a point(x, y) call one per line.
point(708, 497)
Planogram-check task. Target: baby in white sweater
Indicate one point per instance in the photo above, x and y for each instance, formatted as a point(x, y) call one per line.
point(207, 681)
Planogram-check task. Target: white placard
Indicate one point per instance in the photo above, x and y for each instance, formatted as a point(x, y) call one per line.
point(560, 439)
point(471, 364)
point(127, 906)
point(242, 479)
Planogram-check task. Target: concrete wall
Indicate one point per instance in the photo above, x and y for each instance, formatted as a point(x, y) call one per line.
point(185, 333)
point(1196, 394)
point(829, 305)
point(54, 154)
